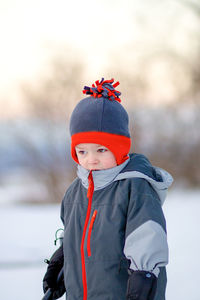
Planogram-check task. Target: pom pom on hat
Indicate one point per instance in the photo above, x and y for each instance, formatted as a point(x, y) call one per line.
point(104, 88)
point(101, 119)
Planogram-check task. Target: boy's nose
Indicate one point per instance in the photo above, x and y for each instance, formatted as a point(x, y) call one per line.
point(92, 158)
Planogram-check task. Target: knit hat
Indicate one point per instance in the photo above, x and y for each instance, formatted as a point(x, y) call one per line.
point(101, 119)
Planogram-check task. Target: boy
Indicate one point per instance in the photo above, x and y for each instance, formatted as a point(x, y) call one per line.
point(115, 244)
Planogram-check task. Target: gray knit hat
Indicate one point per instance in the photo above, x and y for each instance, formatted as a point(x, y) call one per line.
point(101, 119)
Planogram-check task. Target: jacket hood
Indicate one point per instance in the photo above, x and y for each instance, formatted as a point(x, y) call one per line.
point(137, 166)
point(140, 167)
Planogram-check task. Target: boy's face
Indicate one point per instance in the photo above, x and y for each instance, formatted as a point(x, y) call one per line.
point(95, 157)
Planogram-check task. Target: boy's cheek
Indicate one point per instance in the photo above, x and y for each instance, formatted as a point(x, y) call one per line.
point(110, 163)
point(78, 157)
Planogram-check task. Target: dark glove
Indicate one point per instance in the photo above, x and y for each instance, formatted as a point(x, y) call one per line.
point(50, 278)
point(141, 285)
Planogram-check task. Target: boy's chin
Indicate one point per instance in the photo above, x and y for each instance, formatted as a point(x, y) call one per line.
point(93, 168)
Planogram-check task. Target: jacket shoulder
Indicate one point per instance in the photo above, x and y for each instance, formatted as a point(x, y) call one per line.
point(141, 164)
point(73, 187)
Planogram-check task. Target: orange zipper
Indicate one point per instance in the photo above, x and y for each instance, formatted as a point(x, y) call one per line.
point(90, 231)
point(89, 196)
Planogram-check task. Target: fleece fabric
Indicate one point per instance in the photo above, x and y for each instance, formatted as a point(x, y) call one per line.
point(101, 121)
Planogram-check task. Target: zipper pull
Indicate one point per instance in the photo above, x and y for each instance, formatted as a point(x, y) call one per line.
point(90, 232)
point(93, 218)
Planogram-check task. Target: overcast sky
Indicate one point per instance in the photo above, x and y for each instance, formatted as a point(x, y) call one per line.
point(33, 30)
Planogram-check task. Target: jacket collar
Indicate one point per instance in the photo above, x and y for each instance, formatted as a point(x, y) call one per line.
point(101, 178)
point(137, 166)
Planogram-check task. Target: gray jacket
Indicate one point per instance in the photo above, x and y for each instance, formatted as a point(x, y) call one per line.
point(126, 229)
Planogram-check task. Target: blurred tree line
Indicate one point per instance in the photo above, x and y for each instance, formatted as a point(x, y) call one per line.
point(167, 134)
point(49, 103)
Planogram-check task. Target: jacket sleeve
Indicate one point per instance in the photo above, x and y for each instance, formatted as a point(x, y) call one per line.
point(62, 208)
point(145, 239)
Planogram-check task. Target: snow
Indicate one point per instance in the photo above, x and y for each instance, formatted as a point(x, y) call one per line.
point(27, 237)
point(183, 220)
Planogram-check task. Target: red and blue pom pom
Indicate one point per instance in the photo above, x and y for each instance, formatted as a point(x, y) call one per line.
point(104, 88)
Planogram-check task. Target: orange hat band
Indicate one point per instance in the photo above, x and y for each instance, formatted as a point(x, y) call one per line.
point(119, 145)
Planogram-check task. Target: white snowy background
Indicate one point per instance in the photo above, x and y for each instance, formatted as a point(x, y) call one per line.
point(27, 235)
point(154, 46)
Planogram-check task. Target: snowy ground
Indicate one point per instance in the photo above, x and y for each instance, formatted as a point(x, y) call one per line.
point(27, 235)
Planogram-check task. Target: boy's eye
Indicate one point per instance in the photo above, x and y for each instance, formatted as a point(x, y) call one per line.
point(102, 150)
point(81, 152)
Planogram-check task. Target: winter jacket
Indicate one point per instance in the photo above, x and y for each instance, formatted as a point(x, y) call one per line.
point(123, 227)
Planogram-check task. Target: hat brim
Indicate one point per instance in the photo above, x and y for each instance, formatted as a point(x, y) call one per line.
point(119, 145)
